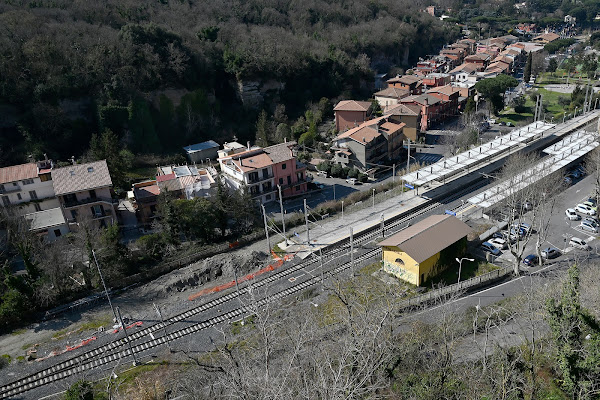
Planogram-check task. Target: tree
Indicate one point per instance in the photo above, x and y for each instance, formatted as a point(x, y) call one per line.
point(107, 146)
point(577, 361)
point(80, 390)
point(528, 67)
point(262, 130)
point(552, 66)
point(493, 90)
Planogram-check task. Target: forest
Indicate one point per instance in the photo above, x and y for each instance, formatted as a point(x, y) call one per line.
point(163, 74)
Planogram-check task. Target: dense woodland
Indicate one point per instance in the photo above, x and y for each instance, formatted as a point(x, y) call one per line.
point(162, 74)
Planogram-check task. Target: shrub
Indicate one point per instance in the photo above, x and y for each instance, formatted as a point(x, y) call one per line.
point(363, 177)
point(353, 173)
point(336, 170)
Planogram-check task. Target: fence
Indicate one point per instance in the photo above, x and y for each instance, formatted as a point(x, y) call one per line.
point(472, 283)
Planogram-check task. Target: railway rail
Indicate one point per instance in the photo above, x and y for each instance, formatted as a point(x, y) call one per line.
point(110, 352)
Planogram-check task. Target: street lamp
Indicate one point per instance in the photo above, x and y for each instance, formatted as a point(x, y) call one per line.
point(342, 209)
point(373, 197)
point(460, 266)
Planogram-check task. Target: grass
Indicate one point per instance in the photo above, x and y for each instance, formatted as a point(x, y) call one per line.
point(237, 327)
point(141, 173)
point(18, 332)
point(104, 320)
point(548, 97)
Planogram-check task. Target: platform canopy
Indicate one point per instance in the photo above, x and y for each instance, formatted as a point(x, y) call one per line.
point(571, 150)
point(450, 166)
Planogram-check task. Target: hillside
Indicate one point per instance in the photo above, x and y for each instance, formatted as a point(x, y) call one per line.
point(162, 74)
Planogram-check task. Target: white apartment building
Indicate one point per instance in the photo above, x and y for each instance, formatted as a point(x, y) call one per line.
point(27, 188)
point(252, 169)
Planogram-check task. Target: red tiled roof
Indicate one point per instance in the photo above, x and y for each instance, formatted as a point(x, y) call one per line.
point(18, 172)
point(167, 177)
point(352, 105)
point(393, 92)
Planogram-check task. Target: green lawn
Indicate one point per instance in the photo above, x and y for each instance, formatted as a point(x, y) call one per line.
point(548, 97)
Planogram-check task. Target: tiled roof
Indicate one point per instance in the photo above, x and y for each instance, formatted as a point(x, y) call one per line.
point(393, 92)
point(352, 105)
point(366, 134)
point(166, 177)
point(79, 177)
point(254, 162)
point(421, 99)
point(144, 192)
point(477, 57)
point(350, 132)
point(405, 79)
point(466, 67)
point(446, 89)
point(281, 152)
point(399, 109)
point(550, 36)
point(18, 172)
point(428, 237)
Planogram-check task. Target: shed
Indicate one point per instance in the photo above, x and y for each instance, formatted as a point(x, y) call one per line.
point(419, 252)
point(201, 151)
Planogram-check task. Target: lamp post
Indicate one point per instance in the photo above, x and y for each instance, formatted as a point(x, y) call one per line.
point(460, 266)
point(342, 209)
point(373, 197)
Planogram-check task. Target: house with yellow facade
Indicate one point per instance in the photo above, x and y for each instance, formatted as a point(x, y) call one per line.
point(421, 251)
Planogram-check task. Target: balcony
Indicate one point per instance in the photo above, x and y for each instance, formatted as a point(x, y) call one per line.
point(260, 179)
point(89, 200)
point(9, 189)
point(102, 214)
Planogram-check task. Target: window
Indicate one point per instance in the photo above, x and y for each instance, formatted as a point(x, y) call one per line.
point(90, 169)
point(98, 210)
point(27, 182)
point(289, 180)
point(74, 214)
point(45, 177)
point(399, 261)
point(6, 201)
point(2, 189)
point(265, 173)
point(283, 166)
point(19, 196)
point(57, 233)
point(33, 195)
point(37, 207)
point(92, 194)
point(70, 198)
point(268, 197)
point(298, 188)
point(253, 176)
point(281, 181)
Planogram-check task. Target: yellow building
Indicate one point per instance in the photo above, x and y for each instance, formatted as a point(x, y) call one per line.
point(421, 251)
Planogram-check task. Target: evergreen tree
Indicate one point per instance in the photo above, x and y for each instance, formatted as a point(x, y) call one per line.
point(262, 130)
point(528, 67)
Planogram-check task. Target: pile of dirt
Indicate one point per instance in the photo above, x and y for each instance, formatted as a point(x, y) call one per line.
point(219, 266)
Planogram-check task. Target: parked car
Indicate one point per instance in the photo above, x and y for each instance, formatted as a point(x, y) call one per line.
point(550, 253)
point(583, 209)
point(523, 226)
point(499, 243)
point(579, 244)
point(490, 248)
point(352, 181)
point(591, 220)
point(588, 226)
point(322, 173)
point(531, 260)
point(498, 235)
point(590, 205)
point(572, 215)
point(592, 200)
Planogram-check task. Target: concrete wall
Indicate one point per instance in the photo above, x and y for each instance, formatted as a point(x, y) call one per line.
point(349, 119)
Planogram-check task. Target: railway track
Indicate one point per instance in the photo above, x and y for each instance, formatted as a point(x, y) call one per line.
point(110, 352)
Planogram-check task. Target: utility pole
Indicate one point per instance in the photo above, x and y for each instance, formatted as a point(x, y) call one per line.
point(537, 99)
point(322, 269)
point(393, 175)
point(343, 202)
point(382, 226)
point(334, 191)
point(237, 289)
point(266, 227)
point(164, 326)
point(352, 250)
point(408, 158)
point(104, 286)
point(282, 214)
point(373, 197)
point(306, 222)
point(135, 362)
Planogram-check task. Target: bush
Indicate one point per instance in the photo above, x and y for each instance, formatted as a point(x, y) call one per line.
point(336, 170)
point(80, 390)
point(363, 177)
point(324, 166)
point(353, 173)
point(345, 172)
point(5, 360)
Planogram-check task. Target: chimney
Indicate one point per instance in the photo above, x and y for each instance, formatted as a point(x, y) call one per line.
point(365, 139)
point(45, 157)
point(284, 140)
point(73, 160)
point(248, 144)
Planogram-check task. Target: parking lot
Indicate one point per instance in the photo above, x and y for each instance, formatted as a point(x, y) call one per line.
point(562, 229)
